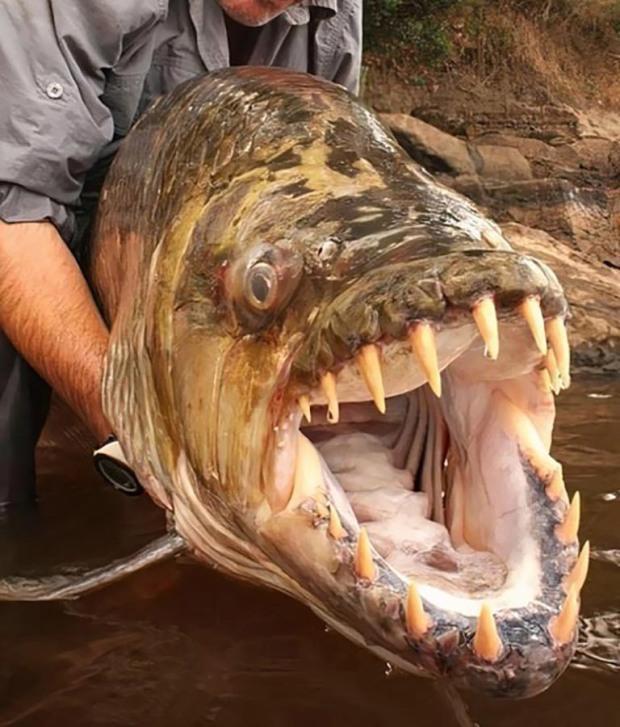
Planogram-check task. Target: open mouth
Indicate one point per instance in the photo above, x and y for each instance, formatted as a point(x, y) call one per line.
point(426, 460)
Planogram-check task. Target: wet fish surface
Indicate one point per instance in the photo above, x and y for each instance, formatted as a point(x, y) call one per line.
point(337, 378)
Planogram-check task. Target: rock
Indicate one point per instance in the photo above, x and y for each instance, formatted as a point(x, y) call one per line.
point(593, 292)
point(579, 216)
point(544, 160)
point(552, 123)
point(614, 219)
point(555, 190)
point(441, 153)
point(435, 150)
point(501, 163)
point(599, 156)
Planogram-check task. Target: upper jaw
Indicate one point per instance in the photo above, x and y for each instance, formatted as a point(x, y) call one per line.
point(374, 600)
point(385, 304)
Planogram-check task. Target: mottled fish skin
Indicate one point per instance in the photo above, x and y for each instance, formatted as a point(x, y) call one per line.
point(247, 164)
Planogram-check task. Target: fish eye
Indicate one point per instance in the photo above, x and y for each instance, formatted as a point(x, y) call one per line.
point(261, 286)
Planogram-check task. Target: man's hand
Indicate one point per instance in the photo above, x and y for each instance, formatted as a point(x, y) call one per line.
point(48, 313)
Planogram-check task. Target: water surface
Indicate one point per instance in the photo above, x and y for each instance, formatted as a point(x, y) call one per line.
point(180, 644)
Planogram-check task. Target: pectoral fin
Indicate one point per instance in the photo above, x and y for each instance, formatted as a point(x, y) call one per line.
point(63, 586)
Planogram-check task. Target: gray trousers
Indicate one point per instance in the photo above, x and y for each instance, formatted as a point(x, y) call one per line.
point(24, 403)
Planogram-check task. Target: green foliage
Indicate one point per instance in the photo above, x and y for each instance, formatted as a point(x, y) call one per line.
point(417, 27)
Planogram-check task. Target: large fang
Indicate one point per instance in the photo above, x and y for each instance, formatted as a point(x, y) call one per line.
point(545, 382)
point(486, 319)
point(530, 310)
point(556, 489)
point(364, 566)
point(304, 405)
point(422, 339)
point(556, 333)
point(518, 425)
point(328, 384)
point(566, 532)
point(553, 372)
point(562, 626)
point(335, 526)
point(417, 620)
point(487, 643)
point(577, 577)
point(370, 367)
point(308, 472)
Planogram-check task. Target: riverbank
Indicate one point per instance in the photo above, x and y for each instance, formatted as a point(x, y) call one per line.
point(522, 114)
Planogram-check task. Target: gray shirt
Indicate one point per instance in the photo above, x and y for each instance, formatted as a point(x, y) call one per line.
point(75, 75)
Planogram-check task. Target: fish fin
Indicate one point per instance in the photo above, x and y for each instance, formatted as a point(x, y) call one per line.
point(455, 703)
point(62, 586)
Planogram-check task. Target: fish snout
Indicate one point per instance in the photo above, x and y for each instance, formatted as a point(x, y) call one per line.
point(482, 287)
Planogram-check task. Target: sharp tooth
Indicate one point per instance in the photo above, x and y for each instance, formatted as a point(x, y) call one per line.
point(556, 333)
point(556, 489)
point(530, 310)
point(554, 372)
point(566, 532)
point(486, 319)
point(308, 472)
point(370, 367)
point(364, 566)
point(487, 643)
point(335, 526)
point(545, 382)
point(328, 384)
point(422, 339)
point(577, 577)
point(418, 622)
point(517, 424)
point(304, 405)
point(562, 627)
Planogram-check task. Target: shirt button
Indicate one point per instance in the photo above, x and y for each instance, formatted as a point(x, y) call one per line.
point(54, 89)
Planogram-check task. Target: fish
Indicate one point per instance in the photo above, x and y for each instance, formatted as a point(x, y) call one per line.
point(338, 379)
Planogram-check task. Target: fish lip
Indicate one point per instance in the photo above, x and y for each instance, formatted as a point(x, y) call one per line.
point(516, 677)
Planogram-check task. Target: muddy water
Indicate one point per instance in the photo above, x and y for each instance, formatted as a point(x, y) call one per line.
point(182, 645)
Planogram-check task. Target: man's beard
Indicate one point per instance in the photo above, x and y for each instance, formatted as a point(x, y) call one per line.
point(253, 13)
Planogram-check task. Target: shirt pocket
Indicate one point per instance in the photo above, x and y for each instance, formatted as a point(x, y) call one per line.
point(122, 94)
point(168, 70)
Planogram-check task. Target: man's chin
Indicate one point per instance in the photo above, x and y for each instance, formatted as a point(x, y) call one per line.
point(255, 13)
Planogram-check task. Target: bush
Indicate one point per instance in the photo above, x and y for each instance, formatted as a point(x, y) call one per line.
point(415, 26)
point(420, 28)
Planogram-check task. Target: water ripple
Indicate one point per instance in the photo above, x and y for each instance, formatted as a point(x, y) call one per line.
point(611, 555)
point(599, 642)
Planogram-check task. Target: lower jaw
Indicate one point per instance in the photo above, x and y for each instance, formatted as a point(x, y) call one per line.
point(524, 671)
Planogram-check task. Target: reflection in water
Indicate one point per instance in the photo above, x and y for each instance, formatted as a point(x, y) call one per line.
point(609, 556)
point(179, 644)
point(599, 642)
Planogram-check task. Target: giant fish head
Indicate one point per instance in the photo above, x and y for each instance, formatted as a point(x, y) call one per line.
point(336, 376)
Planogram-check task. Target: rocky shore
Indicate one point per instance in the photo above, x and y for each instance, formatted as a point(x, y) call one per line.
point(550, 175)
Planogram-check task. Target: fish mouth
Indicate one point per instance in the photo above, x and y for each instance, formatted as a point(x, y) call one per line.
point(422, 461)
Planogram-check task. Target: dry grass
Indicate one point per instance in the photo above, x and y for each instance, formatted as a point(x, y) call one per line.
point(532, 51)
point(559, 49)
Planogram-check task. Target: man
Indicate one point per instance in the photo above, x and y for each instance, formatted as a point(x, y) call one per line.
point(74, 76)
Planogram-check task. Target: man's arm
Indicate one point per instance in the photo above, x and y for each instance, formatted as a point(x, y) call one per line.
point(54, 56)
point(48, 313)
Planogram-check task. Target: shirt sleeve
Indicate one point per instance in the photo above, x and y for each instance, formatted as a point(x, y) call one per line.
point(54, 55)
point(344, 41)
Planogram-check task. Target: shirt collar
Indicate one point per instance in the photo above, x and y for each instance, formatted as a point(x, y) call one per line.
point(300, 14)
